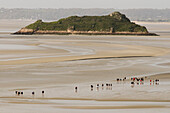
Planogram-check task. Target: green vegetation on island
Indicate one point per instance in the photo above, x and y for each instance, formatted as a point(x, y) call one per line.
point(115, 23)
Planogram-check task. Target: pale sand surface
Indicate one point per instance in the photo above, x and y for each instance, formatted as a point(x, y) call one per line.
point(56, 64)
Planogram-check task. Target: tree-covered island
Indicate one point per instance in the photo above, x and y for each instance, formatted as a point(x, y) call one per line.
point(112, 24)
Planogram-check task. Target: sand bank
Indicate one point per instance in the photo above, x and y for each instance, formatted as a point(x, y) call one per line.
point(56, 64)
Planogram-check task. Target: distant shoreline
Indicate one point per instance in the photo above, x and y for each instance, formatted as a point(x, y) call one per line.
point(31, 21)
point(145, 22)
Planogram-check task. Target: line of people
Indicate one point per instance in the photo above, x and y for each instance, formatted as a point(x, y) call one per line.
point(108, 86)
point(137, 80)
point(141, 81)
point(22, 93)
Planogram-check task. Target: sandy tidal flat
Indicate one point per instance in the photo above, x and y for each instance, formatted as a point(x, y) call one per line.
point(58, 64)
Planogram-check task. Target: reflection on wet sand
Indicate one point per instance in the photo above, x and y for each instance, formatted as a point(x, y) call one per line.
point(77, 73)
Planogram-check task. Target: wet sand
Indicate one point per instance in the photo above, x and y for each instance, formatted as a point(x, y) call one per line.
point(56, 64)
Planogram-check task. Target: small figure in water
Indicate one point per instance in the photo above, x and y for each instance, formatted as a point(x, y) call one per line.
point(76, 89)
point(22, 93)
point(132, 84)
point(91, 87)
point(43, 92)
point(33, 93)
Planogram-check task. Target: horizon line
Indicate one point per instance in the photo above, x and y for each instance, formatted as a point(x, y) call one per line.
point(91, 8)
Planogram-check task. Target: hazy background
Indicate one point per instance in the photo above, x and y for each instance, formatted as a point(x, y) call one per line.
point(151, 15)
point(49, 10)
point(118, 4)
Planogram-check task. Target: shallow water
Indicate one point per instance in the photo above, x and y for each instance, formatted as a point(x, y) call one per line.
point(58, 78)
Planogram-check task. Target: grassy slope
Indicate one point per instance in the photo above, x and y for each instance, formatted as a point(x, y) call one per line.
point(118, 22)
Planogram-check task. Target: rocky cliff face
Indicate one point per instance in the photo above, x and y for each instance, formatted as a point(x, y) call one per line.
point(25, 31)
point(119, 16)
